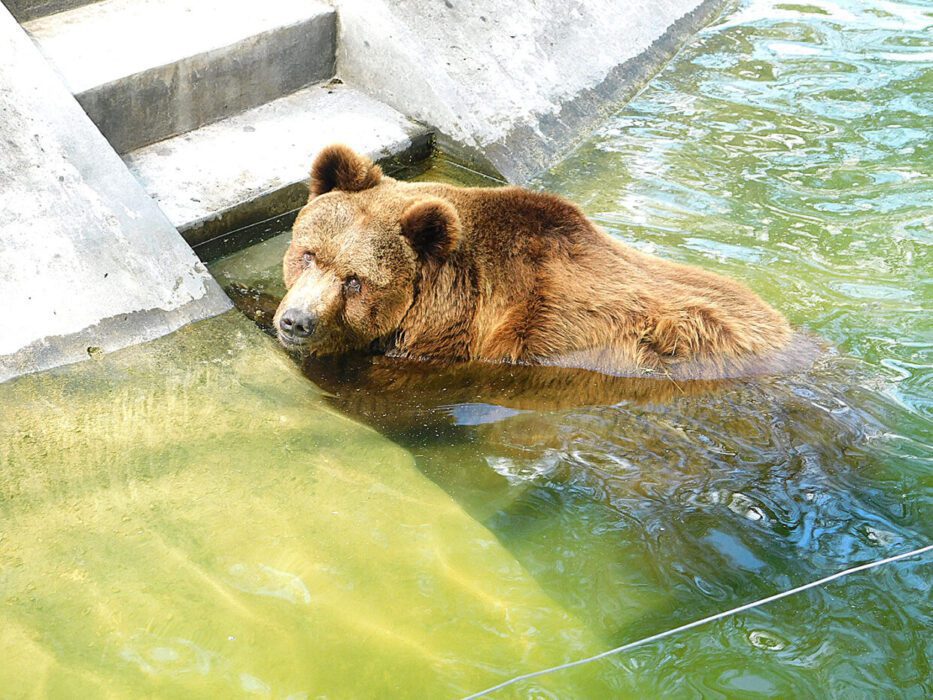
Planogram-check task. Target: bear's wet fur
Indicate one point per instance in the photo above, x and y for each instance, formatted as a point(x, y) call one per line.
point(434, 271)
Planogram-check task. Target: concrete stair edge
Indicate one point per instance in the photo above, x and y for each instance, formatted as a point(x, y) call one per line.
point(148, 104)
point(254, 165)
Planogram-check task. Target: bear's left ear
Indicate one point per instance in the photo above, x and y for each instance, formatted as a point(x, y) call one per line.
point(339, 167)
point(432, 226)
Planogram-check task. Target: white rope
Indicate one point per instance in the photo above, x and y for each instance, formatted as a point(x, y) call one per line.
point(697, 623)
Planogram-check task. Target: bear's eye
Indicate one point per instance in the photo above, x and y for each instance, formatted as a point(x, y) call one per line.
point(352, 285)
point(307, 258)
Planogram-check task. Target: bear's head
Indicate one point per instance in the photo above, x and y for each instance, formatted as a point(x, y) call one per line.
point(358, 249)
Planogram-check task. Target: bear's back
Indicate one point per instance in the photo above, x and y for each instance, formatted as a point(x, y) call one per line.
point(513, 221)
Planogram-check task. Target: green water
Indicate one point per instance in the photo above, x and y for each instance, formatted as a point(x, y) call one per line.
point(195, 518)
point(189, 518)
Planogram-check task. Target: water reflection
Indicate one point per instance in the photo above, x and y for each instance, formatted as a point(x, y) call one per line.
point(391, 393)
point(638, 501)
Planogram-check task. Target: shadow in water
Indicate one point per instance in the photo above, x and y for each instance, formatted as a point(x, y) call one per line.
point(397, 394)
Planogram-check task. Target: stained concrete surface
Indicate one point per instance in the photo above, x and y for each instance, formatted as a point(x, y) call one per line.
point(88, 262)
point(517, 84)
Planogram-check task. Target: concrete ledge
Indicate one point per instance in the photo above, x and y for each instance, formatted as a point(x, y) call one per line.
point(145, 70)
point(513, 86)
point(107, 335)
point(88, 263)
point(535, 144)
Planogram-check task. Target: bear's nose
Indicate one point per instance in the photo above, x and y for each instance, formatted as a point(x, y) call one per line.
point(297, 323)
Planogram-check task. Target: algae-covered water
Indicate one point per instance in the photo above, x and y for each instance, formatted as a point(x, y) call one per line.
point(201, 516)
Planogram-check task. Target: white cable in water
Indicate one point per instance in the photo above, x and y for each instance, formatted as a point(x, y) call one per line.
point(697, 623)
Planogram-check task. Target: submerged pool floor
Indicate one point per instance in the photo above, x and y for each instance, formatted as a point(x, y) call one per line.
point(201, 516)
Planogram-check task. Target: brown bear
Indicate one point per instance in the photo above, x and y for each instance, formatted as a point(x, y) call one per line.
point(433, 271)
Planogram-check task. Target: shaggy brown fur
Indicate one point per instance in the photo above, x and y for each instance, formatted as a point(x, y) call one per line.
point(427, 270)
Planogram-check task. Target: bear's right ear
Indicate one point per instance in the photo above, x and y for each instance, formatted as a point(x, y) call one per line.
point(339, 167)
point(432, 227)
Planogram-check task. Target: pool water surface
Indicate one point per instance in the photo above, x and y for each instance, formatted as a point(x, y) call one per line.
point(204, 515)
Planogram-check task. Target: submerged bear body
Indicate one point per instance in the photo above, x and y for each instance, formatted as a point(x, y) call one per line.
point(433, 271)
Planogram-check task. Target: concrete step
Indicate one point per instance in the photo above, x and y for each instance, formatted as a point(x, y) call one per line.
point(255, 165)
point(145, 70)
point(88, 262)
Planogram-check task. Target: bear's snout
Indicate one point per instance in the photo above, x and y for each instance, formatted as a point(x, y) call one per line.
point(296, 325)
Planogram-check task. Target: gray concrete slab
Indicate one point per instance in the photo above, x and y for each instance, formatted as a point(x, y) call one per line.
point(515, 84)
point(254, 165)
point(148, 69)
point(88, 262)
point(25, 10)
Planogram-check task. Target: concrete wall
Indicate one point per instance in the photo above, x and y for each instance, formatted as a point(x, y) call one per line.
point(88, 262)
point(516, 83)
